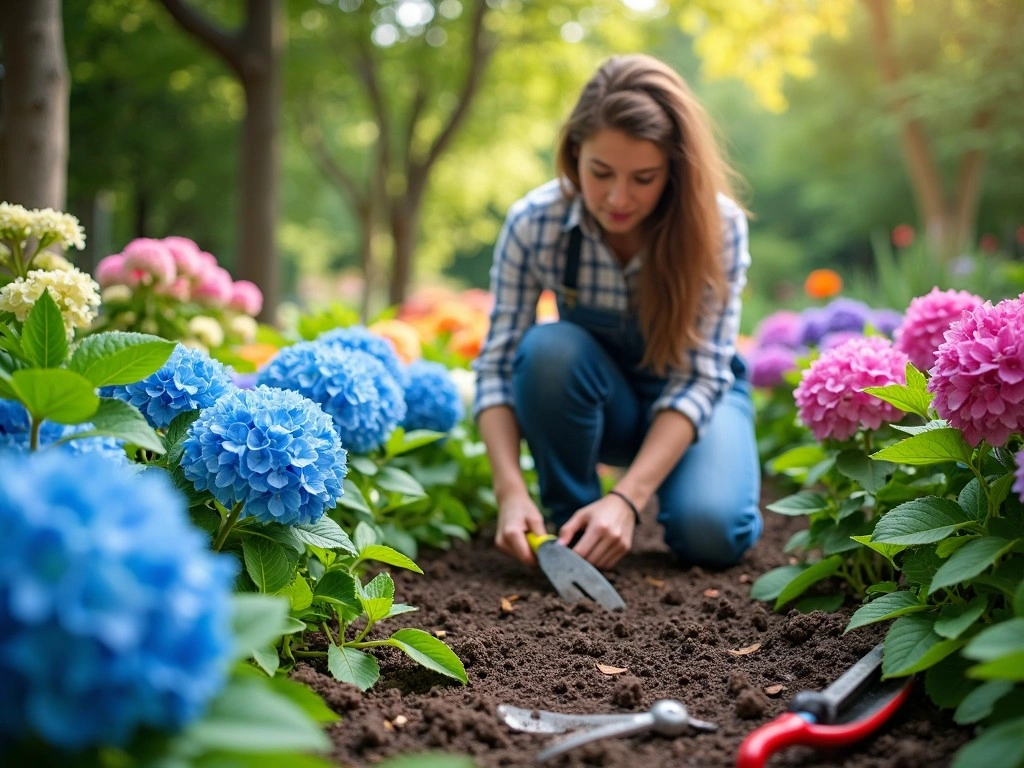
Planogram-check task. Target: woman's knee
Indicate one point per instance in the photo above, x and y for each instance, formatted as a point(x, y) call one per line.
point(551, 357)
point(709, 534)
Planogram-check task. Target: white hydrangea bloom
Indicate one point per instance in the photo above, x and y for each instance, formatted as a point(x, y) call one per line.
point(51, 261)
point(16, 222)
point(465, 384)
point(207, 330)
point(116, 293)
point(77, 295)
point(63, 227)
point(243, 328)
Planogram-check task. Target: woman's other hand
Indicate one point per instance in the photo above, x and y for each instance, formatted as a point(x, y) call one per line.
point(607, 527)
point(517, 516)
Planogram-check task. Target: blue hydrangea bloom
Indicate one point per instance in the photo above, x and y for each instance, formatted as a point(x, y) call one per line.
point(272, 450)
point(359, 338)
point(114, 614)
point(189, 380)
point(14, 435)
point(354, 388)
point(431, 398)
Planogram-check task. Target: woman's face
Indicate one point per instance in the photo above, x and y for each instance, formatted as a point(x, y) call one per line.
point(622, 179)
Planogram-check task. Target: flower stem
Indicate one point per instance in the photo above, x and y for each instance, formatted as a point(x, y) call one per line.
point(34, 433)
point(369, 644)
point(327, 631)
point(311, 654)
point(225, 527)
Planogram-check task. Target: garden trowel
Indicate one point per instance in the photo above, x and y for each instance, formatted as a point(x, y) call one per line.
point(572, 576)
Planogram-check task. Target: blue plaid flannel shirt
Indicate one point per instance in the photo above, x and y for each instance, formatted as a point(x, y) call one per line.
point(529, 258)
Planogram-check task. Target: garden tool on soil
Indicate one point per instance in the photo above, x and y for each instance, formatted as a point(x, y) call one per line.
point(848, 710)
point(667, 717)
point(572, 576)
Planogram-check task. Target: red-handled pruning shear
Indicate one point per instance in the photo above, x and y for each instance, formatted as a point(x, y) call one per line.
point(848, 710)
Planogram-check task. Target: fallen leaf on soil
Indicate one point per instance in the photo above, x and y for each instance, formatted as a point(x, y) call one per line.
point(745, 651)
point(439, 634)
point(512, 598)
point(655, 582)
point(774, 690)
point(604, 669)
point(388, 726)
point(711, 593)
point(792, 560)
point(745, 578)
point(399, 721)
point(506, 605)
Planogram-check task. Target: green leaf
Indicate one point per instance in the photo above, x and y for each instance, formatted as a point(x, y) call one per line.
point(365, 536)
point(802, 503)
point(947, 547)
point(1018, 600)
point(947, 683)
point(299, 595)
point(399, 608)
point(769, 586)
point(55, 394)
point(969, 561)
point(997, 640)
point(116, 418)
point(176, 432)
point(351, 666)
point(396, 480)
point(363, 465)
point(906, 399)
point(353, 498)
point(326, 534)
point(920, 521)
point(827, 603)
point(931, 426)
point(1008, 667)
point(800, 457)
point(117, 357)
point(867, 473)
point(916, 380)
point(383, 554)
point(888, 551)
point(339, 588)
point(881, 588)
point(306, 699)
point(919, 565)
point(248, 716)
point(932, 447)
point(911, 645)
point(807, 578)
point(427, 650)
point(973, 500)
point(377, 596)
point(428, 760)
point(43, 339)
point(978, 704)
point(402, 442)
point(268, 564)
point(267, 659)
point(257, 621)
point(956, 619)
point(999, 746)
point(885, 607)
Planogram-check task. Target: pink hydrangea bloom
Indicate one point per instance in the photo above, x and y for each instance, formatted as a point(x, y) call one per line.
point(829, 399)
point(927, 318)
point(180, 289)
point(186, 255)
point(246, 297)
point(769, 364)
point(837, 338)
point(1018, 486)
point(152, 259)
point(214, 287)
point(782, 327)
point(111, 271)
point(978, 376)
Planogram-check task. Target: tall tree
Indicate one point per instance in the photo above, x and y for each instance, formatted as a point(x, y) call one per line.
point(34, 127)
point(254, 51)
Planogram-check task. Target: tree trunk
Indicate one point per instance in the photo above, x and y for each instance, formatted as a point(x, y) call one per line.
point(404, 232)
point(257, 257)
point(35, 105)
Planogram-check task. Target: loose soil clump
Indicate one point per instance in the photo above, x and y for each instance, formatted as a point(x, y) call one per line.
point(687, 633)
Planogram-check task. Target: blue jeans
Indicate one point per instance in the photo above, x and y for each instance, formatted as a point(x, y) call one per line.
point(577, 405)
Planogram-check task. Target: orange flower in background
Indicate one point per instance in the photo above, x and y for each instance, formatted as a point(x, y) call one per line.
point(547, 307)
point(423, 301)
point(452, 316)
point(903, 236)
point(404, 336)
point(823, 284)
point(258, 353)
point(468, 341)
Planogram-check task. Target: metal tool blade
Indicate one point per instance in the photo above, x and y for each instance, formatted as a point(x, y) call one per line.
point(638, 723)
point(542, 721)
point(574, 578)
point(829, 705)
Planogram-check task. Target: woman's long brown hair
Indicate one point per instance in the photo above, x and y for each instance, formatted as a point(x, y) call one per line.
point(647, 100)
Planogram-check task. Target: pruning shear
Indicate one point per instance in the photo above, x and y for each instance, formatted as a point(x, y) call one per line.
point(667, 717)
point(847, 711)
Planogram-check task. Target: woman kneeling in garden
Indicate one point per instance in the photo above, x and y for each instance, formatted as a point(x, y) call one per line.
point(648, 254)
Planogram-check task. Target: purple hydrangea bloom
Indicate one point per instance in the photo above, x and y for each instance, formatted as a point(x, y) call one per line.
point(114, 614)
point(190, 380)
point(432, 398)
point(833, 339)
point(271, 450)
point(1018, 484)
point(780, 328)
point(886, 321)
point(359, 338)
point(842, 314)
point(769, 364)
point(829, 396)
point(978, 376)
point(927, 320)
point(353, 387)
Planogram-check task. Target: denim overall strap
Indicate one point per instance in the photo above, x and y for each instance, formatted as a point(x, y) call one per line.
point(570, 280)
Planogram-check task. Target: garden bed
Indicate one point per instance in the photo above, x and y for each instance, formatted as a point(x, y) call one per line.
point(674, 640)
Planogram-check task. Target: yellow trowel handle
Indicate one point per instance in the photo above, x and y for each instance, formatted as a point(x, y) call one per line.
point(535, 540)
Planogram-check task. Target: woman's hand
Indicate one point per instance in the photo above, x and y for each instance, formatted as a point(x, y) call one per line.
point(516, 516)
point(607, 526)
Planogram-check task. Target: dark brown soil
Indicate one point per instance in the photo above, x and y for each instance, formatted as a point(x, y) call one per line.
point(674, 639)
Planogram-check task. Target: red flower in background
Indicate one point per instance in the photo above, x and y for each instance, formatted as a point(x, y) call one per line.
point(989, 243)
point(903, 235)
